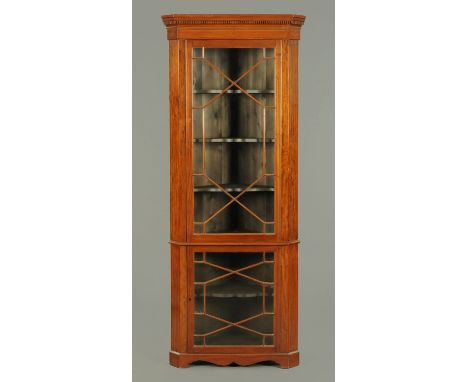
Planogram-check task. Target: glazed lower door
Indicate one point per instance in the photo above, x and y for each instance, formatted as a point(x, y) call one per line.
point(232, 299)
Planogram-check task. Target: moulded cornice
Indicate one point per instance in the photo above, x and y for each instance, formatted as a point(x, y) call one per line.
point(242, 19)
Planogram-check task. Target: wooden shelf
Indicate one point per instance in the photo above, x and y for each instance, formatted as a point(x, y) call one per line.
point(233, 91)
point(234, 140)
point(233, 188)
point(235, 290)
point(231, 291)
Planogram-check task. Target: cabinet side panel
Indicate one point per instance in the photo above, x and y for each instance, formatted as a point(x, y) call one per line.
point(178, 298)
point(293, 296)
point(293, 193)
point(285, 141)
point(293, 139)
point(183, 285)
point(178, 161)
point(282, 301)
point(175, 297)
point(286, 283)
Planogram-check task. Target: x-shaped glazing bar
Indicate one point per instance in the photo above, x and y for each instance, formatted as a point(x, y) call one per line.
point(233, 272)
point(230, 324)
point(233, 83)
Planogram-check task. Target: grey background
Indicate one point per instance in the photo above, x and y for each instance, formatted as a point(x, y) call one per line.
point(151, 266)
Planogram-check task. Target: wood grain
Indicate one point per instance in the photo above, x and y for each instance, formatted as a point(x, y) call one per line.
point(178, 169)
point(293, 140)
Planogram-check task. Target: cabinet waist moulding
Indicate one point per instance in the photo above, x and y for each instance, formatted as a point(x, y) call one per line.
point(233, 177)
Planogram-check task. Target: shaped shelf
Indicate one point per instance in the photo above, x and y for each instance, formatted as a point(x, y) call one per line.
point(233, 91)
point(234, 140)
point(235, 291)
point(233, 188)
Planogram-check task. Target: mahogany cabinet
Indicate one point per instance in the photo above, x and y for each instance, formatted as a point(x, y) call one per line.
point(233, 178)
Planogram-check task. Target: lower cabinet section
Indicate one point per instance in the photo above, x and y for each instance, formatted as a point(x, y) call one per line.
point(234, 304)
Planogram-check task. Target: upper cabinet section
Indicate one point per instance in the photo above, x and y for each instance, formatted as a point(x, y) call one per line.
point(234, 26)
point(233, 121)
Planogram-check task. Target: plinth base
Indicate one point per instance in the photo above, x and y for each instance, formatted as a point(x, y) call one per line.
point(284, 360)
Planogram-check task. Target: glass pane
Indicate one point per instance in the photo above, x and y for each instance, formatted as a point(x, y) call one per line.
point(234, 298)
point(235, 219)
point(233, 125)
point(234, 336)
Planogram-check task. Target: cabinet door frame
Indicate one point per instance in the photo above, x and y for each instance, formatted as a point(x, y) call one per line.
point(280, 294)
point(280, 82)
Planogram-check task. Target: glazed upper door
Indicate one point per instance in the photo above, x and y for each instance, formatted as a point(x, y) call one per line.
point(233, 119)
